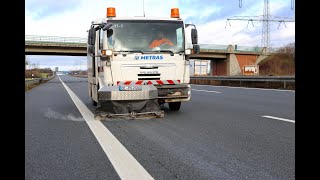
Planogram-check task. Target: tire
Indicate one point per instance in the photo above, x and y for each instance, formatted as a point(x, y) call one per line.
point(94, 103)
point(174, 106)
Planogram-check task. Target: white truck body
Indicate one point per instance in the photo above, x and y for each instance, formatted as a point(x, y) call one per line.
point(121, 56)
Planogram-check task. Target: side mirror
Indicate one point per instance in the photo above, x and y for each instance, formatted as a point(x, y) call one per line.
point(90, 49)
point(109, 32)
point(194, 36)
point(91, 36)
point(196, 48)
point(107, 26)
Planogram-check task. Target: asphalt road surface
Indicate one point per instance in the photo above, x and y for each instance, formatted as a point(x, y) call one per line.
point(222, 133)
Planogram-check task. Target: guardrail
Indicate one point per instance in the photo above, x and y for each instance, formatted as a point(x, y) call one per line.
point(81, 76)
point(32, 82)
point(48, 78)
point(276, 82)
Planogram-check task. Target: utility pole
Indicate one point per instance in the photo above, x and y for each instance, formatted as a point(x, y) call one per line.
point(144, 14)
point(266, 25)
point(266, 18)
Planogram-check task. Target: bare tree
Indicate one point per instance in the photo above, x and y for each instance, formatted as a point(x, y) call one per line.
point(291, 51)
point(288, 51)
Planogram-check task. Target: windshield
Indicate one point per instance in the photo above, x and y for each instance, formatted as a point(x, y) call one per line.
point(146, 36)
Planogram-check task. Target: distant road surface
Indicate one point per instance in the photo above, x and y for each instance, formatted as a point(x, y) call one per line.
point(222, 133)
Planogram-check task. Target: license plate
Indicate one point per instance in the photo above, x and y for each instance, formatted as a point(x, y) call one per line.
point(130, 88)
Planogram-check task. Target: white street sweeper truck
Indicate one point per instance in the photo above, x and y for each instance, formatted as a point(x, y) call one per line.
point(136, 64)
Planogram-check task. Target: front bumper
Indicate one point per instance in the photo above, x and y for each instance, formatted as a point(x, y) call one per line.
point(114, 103)
point(107, 93)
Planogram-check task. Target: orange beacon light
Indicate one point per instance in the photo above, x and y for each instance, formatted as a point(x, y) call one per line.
point(175, 13)
point(111, 12)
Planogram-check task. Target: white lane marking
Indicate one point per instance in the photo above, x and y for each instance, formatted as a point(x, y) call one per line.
point(281, 119)
point(123, 162)
point(264, 89)
point(205, 90)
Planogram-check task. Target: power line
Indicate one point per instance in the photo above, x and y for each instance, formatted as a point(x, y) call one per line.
point(266, 18)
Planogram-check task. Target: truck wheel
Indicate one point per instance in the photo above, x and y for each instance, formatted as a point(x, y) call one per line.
point(174, 106)
point(94, 103)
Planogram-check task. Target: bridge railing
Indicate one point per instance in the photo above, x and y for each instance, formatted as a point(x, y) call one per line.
point(247, 48)
point(214, 46)
point(55, 39)
point(210, 46)
point(235, 47)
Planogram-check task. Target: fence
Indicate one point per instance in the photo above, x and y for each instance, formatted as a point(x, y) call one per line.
point(276, 82)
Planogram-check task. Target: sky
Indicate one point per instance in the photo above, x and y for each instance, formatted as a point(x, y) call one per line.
point(72, 18)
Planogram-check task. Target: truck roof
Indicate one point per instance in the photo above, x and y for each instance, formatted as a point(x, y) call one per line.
point(137, 18)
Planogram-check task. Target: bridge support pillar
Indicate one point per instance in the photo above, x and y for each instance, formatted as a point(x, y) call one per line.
point(260, 58)
point(264, 55)
point(233, 68)
point(211, 68)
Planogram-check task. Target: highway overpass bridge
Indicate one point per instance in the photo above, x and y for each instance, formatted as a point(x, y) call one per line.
point(225, 59)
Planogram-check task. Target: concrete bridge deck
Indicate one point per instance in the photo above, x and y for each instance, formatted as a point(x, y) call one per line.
point(76, 46)
point(227, 59)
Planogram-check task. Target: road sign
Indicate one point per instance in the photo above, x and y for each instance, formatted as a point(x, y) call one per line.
point(251, 70)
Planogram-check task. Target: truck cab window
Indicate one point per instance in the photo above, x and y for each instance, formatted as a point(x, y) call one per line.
point(140, 35)
point(179, 38)
point(101, 32)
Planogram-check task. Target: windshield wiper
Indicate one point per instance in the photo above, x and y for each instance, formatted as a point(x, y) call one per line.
point(144, 52)
point(131, 51)
point(169, 51)
point(181, 52)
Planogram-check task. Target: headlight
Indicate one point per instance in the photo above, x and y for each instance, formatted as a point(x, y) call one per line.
point(107, 52)
point(187, 51)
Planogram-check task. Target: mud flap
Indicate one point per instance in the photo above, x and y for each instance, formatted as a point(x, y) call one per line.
point(128, 109)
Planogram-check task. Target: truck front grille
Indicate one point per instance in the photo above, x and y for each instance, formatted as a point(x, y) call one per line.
point(149, 78)
point(148, 74)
